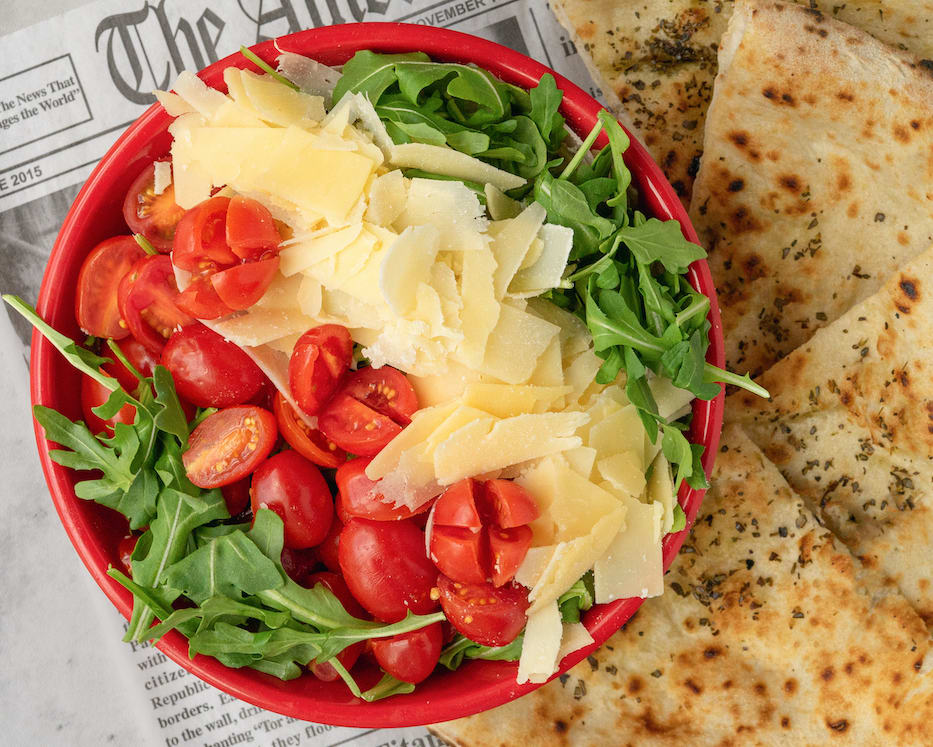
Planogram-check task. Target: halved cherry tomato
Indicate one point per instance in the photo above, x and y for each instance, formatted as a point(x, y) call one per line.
point(240, 286)
point(96, 307)
point(319, 363)
point(229, 445)
point(385, 390)
point(125, 552)
point(460, 554)
point(236, 496)
point(309, 442)
point(296, 490)
point(147, 298)
point(328, 550)
point(410, 657)
point(483, 613)
point(357, 495)
point(154, 216)
point(200, 244)
point(251, 230)
point(209, 370)
point(457, 506)
point(94, 394)
point(353, 426)
point(300, 565)
point(509, 504)
point(336, 585)
point(139, 357)
point(507, 548)
point(200, 301)
point(385, 565)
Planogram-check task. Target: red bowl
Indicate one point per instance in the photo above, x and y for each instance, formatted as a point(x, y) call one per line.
point(95, 531)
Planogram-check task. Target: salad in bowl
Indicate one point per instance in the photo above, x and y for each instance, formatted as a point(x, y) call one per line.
point(390, 372)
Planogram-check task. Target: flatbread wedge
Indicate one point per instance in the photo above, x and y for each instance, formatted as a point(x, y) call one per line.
point(817, 177)
point(850, 425)
point(768, 633)
point(655, 61)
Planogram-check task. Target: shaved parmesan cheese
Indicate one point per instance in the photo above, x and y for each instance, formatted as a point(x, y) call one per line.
point(516, 343)
point(279, 104)
point(510, 441)
point(575, 336)
point(387, 197)
point(506, 400)
point(572, 559)
point(673, 402)
point(536, 560)
point(547, 271)
point(310, 297)
point(575, 637)
point(550, 370)
point(620, 431)
point(259, 326)
point(354, 107)
point(302, 255)
point(541, 645)
point(581, 372)
point(446, 387)
point(500, 205)
point(162, 176)
point(202, 98)
point(451, 208)
point(661, 490)
point(423, 423)
point(173, 104)
point(581, 460)
point(632, 564)
point(407, 264)
point(510, 242)
point(449, 162)
point(309, 75)
point(481, 311)
point(624, 471)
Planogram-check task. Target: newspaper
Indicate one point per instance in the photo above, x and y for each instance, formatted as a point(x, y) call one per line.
point(68, 87)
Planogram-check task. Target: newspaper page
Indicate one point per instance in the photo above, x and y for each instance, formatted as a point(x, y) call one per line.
point(68, 87)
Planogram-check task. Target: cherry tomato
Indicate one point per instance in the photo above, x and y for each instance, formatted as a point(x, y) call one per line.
point(385, 390)
point(357, 495)
point(328, 551)
point(154, 216)
point(319, 363)
point(229, 445)
point(209, 370)
point(96, 307)
point(147, 298)
point(483, 613)
point(94, 394)
point(460, 554)
point(125, 552)
point(236, 496)
point(240, 286)
point(457, 506)
point(250, 229)
point(200, 301)
point(309, 442)
point(350, 654)
point(296, 490)
point(200, 244)
point(353, 426)
point(300, 565)
point(509, 505)
point(139, 357)
point(507, 549)
point(410, 657)
point(265, 397)
point(385, 565)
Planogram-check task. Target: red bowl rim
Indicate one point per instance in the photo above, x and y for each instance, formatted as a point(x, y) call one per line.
point(497, 683)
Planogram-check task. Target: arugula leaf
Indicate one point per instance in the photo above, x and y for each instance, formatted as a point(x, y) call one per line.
point(612, 323)
point(545, 101)
point(578, 598)
point(169, 417)
point(680, 518)
point(214, 610)
point(337, 640)
point(661, 241)
point(677, 450)
point(165, 542)
point(371, 74)
point(387, 686)
point(463, 648)
point(170, 468)
point(618, 144)
point(231, 566)
point(566, 205)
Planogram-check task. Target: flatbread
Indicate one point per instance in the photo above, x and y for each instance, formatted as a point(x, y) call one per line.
point(768, 633)
point(656, 60)
point(816, 180)
point(850, 425)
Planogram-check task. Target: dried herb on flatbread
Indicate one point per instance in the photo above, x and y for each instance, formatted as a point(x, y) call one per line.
point(850, 424)
point(768, 633)
point(656, 60)
point(815, 183)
